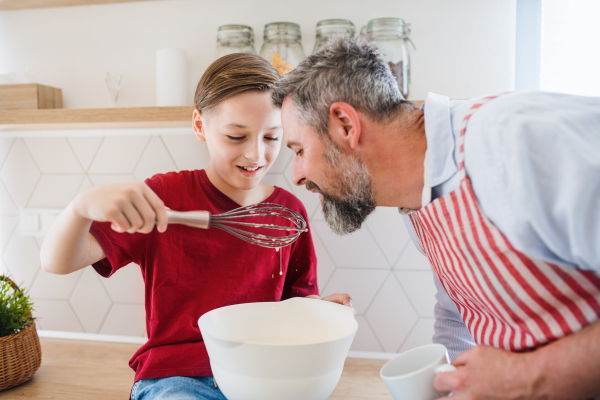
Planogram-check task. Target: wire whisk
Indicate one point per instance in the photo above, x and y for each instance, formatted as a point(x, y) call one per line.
point(230, 222)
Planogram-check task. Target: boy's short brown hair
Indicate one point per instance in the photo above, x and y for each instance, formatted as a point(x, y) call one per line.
point(230, 75)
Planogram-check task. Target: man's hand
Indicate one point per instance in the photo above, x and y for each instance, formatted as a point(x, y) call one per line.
point(566, 369)
point(488, 373)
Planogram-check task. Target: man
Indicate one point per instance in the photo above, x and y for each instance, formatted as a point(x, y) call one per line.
point(510, 221)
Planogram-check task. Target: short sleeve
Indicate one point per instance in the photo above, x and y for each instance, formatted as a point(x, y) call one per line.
point(121, 248)
point(301, 279)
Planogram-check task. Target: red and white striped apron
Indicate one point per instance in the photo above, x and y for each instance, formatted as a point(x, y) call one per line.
point(506, 298)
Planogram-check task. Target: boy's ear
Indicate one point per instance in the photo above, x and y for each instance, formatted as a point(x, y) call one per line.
point(198, 125)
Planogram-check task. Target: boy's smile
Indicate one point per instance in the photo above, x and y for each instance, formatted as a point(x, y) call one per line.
point(250, 171)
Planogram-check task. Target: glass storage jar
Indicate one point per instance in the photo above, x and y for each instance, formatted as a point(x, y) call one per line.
point(329, 28)
point(282, 46)
point(392, 36)
point(234, 39)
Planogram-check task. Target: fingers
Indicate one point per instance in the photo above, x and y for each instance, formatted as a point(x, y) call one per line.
point(136, 208)
point(147, 214)
point(136, 221)
point(158, 207)
point(340, 298)
point(462, 358)
point(447, 382)
point(120, 223)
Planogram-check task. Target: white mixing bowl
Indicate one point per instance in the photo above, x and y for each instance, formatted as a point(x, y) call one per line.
point(289, 350)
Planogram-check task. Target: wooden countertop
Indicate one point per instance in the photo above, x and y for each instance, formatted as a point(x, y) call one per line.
point(75, 370)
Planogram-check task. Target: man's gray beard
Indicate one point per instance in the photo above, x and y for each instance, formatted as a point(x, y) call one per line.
point(353, 200)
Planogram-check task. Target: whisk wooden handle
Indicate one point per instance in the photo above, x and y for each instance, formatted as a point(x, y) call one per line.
point(196, 219)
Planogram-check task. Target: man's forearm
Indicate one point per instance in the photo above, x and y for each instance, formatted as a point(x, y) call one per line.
point(569, 368)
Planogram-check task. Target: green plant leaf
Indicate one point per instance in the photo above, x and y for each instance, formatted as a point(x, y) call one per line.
point(15, 308)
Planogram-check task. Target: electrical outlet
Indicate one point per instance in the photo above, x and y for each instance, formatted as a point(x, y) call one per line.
point(36, 222)
point(30, 222)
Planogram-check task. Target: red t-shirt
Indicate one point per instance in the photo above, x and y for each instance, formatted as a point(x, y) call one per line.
point(189, 271)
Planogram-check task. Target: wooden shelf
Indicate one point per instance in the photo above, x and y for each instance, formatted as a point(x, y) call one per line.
point(96, 118)
point(100, 118)
point(29, 4)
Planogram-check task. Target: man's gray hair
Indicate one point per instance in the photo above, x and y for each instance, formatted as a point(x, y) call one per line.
point(346, 70)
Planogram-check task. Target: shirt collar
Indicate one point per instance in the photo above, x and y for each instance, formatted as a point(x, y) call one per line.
point(440, 142)
point(426, 193)
point(439, 164)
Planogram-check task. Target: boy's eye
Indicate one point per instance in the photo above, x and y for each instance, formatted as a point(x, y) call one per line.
point(273, 139)
point(236, 138)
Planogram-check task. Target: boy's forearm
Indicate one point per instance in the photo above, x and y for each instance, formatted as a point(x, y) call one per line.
point(66, 247)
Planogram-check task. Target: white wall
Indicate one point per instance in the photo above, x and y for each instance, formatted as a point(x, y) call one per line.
point(391, 283)
point(465, 49)
point(570, 60)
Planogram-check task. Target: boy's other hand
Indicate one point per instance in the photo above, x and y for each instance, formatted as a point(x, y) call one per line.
point(339, 298)
point(130, 207)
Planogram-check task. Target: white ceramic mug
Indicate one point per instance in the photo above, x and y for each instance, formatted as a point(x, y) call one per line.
point(410, 375)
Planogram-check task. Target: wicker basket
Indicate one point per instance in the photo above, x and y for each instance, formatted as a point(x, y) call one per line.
point(20, 355)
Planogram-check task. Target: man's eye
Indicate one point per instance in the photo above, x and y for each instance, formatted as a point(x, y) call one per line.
point(236, 138)
point(299, 152)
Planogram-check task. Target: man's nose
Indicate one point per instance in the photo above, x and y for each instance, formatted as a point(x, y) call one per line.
point(297, 173)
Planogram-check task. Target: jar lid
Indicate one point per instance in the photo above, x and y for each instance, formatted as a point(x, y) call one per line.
point(382, 27)
point(228, 33)
point(282, 30)
point(331, 27)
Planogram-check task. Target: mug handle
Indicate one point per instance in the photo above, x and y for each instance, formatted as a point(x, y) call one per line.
point(445, 368)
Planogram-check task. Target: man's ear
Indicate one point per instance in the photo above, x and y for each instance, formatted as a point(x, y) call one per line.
point(199, 125)
point(344, 125)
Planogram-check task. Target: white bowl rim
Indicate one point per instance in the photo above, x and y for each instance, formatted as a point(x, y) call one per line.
point(353, 332)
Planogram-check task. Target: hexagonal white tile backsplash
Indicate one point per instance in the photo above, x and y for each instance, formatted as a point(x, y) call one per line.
point(391, 282)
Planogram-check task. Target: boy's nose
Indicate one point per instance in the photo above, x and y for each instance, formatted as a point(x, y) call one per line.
point(254, 152)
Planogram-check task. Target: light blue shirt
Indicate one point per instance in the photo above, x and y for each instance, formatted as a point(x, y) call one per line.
point(534, 162)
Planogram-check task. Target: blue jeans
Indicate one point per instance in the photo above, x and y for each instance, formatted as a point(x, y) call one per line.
point(177, 387)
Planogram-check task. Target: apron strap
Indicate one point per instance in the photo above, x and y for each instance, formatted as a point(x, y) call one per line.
point(463, 129)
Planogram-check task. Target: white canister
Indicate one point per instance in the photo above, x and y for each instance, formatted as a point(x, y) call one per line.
point(171, 78)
